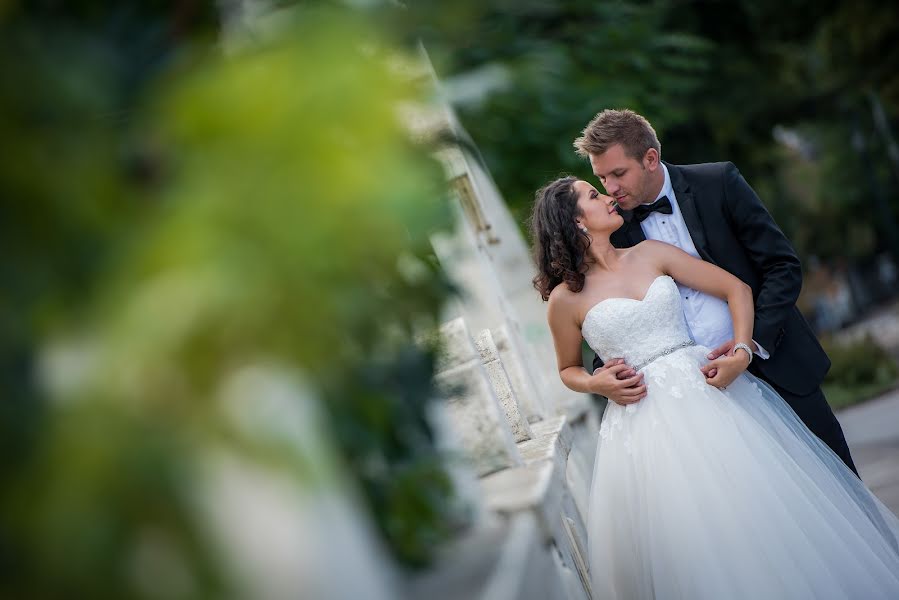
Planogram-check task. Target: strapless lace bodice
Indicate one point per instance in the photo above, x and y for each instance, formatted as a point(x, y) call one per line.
point(638, 330)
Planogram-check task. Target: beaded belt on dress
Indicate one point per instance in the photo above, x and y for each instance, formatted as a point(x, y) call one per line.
point(664, 352)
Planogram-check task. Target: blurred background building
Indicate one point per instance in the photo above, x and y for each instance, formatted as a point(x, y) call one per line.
point(267, 322)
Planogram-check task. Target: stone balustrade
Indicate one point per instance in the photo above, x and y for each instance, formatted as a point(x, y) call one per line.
point(535, 490)
point(529, 440)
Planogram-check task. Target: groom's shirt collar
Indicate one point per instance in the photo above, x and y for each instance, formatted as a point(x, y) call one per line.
point(666, 190)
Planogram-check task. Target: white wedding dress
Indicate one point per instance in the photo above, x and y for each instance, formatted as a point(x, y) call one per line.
point(722, 494)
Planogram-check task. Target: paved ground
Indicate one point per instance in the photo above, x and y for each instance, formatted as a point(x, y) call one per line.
point(872, 430)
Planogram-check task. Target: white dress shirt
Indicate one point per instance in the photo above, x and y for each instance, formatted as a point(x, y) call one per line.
point(707, 317)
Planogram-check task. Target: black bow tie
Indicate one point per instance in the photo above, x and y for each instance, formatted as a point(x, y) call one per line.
point(663, 205)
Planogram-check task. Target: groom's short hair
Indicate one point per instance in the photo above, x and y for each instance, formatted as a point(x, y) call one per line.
point(611, 127)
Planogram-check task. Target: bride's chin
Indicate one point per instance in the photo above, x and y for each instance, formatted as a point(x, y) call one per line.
point(614, 225)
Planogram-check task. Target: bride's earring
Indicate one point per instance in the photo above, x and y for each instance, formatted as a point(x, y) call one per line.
point(582, 228)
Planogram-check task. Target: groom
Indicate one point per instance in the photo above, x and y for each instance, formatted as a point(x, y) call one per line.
point(709, 211)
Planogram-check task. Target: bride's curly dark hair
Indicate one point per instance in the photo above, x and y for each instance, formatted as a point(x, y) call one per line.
point(560, 246)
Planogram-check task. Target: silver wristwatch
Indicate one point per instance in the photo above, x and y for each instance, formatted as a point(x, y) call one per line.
point(744, 347)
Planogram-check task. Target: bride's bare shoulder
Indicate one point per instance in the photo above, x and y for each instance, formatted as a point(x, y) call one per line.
point(560, 295)
point(652, 246)
point(563, 303)
point(648, 249)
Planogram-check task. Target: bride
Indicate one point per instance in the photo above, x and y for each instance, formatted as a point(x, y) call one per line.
point(709, 486)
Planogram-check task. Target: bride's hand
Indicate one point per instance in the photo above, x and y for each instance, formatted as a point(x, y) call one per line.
point(722, 350)
point(723, 370)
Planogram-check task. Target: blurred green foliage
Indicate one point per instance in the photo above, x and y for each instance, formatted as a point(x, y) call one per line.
point(171, 217)
point(715, 79)
point(860, 370)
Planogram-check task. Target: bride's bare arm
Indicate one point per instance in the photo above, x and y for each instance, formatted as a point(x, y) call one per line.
point(710, 279)
point(566, 332)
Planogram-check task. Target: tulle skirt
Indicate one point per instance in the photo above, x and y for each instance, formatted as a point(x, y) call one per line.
point(725, 494)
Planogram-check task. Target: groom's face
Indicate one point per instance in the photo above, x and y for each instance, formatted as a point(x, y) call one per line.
point(625, 178)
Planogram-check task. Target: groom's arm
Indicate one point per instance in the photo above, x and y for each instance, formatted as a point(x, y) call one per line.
point(771, 253)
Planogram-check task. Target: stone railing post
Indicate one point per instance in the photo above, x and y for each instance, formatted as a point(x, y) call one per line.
point(473, 409)
point(502, 386)
point(527, 390)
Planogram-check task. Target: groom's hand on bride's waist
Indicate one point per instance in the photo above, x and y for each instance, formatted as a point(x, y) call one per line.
point(619, 382)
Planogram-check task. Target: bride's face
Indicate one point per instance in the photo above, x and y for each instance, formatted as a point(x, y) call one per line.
point(598, 211)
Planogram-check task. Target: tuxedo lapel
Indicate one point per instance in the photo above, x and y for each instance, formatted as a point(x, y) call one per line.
point(629, 234)
point(688, 210)
point(635, 232)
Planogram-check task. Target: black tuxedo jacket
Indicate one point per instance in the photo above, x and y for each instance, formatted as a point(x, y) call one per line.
point(732, 229)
